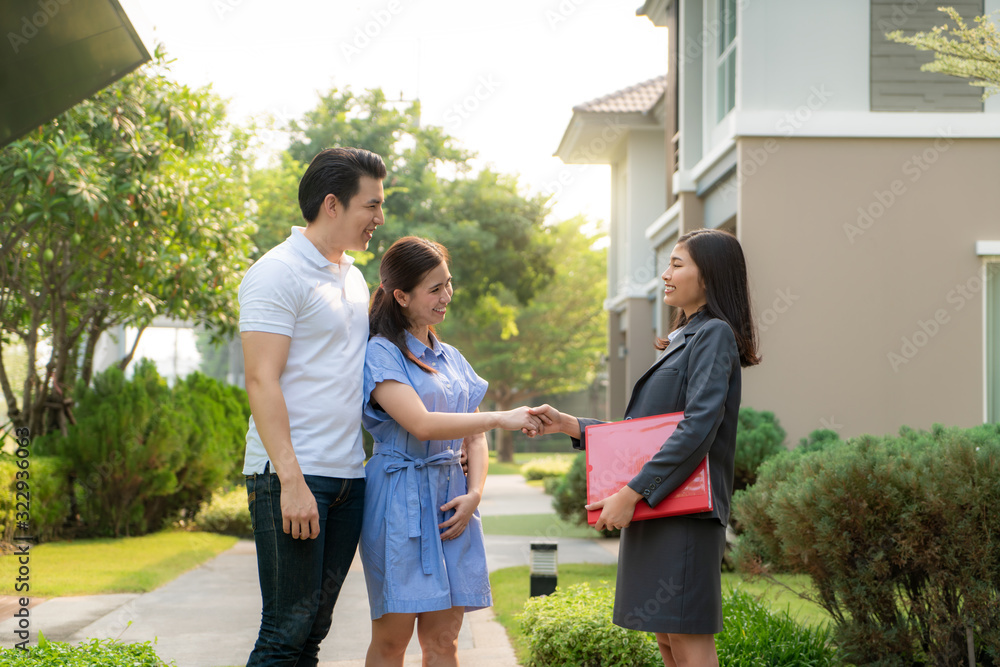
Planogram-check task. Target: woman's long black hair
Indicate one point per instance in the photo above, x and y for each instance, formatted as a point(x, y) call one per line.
point(723, 268)
point(403, 266)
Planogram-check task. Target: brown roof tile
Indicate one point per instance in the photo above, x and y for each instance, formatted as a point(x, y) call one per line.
point(640, 97)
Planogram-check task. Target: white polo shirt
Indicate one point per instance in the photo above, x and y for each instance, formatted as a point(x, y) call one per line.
point(323, 307)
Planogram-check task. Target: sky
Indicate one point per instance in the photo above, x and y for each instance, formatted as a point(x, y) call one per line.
point(500, 77)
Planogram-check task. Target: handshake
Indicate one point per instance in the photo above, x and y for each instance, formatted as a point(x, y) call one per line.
point(540, 420)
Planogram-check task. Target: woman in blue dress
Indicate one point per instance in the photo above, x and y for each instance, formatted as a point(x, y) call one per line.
point(421, 538)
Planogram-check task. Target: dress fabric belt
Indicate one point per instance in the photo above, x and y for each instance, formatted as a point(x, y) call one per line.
point(418, 486)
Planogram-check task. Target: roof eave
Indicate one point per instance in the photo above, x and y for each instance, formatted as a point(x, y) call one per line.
point(592, 137)
point(656, 11)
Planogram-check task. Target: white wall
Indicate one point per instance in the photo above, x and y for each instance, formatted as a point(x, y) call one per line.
point(647, 200)
point(789, 47)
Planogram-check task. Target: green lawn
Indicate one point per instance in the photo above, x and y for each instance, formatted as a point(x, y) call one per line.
point(125, 565)
point(511, 586)
point(497, 468)
point(535, 525)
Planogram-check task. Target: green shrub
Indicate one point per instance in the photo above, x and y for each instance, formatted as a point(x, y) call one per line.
point(124, 451)
point(215, 426)
point(755, 635)
point(817, 440)
point(573, 627)
point(900, 536)
point(226, 513)
point(549, 466)
point(48, 500)
point(759, 437)
point(551, 484)
point(571, 495)
point(140, 452)
point(94, 653)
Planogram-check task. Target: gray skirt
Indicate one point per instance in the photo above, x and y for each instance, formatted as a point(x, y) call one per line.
point(669, 576)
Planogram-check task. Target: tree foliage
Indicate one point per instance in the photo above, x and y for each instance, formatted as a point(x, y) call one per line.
point(962, 50)
point(131, 205)
point(493, 232)
point(557, 339)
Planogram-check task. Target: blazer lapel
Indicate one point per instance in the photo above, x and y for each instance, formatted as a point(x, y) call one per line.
point(679, 341)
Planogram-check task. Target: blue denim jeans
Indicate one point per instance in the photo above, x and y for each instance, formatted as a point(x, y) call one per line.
point(301, 579)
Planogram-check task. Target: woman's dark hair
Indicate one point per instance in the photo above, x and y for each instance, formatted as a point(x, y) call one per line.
point(723, 269)
point(403, 266)
point(338, 172)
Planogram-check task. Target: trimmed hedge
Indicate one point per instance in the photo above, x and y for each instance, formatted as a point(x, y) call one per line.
point(900, 535)
point(573, 627)
point(226, 512)
point(549, 466)
point(93, 653)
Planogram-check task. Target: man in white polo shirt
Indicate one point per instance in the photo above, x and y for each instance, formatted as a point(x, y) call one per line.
point(304, 328)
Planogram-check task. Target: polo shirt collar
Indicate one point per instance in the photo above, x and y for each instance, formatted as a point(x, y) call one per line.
point(420, 350)
point(310, 253)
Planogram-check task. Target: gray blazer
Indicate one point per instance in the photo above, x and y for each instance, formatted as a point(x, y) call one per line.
point(698, 374)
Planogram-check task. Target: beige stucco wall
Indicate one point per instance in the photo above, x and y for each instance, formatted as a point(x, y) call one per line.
point(839, 291)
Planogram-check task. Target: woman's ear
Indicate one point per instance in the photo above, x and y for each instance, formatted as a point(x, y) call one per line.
point(400, 297)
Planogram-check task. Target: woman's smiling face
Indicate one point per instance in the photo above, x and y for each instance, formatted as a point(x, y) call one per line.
point(683, 287)
point(427, 303)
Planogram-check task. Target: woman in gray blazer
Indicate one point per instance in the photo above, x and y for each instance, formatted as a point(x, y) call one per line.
point(669, 568)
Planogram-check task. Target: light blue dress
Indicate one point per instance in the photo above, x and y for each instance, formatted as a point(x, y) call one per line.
point(408, 568)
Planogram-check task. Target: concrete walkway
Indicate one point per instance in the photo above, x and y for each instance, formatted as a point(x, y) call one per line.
point(209, 617)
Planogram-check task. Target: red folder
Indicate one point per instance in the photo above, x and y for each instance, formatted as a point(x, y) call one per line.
point(616, 452)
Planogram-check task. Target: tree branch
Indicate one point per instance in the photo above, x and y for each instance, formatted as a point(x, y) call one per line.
point(13, 411)
point(128, 358)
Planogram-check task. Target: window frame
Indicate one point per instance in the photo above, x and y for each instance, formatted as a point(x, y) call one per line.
point(991, 339)
point(720, 62)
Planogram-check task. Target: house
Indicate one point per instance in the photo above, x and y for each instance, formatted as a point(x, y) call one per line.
point(864, 193)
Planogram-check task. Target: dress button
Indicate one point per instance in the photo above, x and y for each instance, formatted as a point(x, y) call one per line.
point(658, 480)
point(646, 492)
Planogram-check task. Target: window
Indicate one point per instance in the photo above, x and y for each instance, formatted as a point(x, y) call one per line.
point(725, 64)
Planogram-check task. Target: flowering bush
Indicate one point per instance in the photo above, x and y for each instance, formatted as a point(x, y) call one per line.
point(550, 466)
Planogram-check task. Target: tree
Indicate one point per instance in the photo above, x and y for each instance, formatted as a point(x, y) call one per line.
point(130, 205)
point(493, 232)
point(275, 191)
point(558, 338)
point(971, 52)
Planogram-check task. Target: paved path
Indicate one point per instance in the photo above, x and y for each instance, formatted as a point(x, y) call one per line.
point(208, 617)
